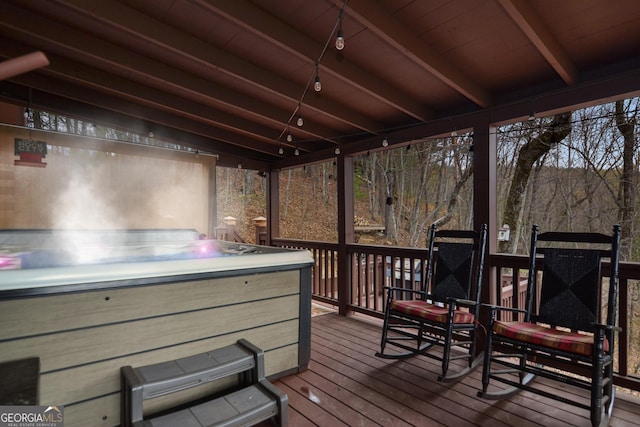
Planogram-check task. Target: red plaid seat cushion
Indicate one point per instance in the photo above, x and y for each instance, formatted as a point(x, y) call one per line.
point(548, 337)
point(430, 311)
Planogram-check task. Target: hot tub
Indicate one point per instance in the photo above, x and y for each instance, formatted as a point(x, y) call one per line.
point(51, 260)
point(143, 296)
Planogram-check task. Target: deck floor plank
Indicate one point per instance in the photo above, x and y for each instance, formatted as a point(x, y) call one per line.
point(347, 385)
point(422, 370)
point(346, 391)
point(527, 405)
point(301, 402)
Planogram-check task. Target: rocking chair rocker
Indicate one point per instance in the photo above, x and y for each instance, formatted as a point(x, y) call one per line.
point(566, 331)
point(445, 311)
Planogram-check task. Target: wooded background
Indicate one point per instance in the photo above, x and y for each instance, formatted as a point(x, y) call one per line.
point(575, 171)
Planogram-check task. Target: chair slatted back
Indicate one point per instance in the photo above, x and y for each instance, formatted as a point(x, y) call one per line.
point(453, 271)
point(455, 262)
point(570, 293)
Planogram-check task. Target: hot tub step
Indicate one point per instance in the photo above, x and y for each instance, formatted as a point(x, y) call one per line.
point(258, 400)
point(247, 406)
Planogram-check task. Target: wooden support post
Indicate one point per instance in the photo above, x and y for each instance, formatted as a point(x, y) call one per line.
point(485, 203)
point(345, 228)
point(273, 205)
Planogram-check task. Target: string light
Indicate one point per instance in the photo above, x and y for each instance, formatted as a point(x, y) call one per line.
point(532, 116)
point(340, 38)
point(296, 152)
point(385, 142)
point(299, 122)
point(280, 150)
point(316, 85)
point(314, 79)
point(337, 150)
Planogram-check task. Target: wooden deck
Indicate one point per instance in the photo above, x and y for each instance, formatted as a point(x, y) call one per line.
point(346, 385)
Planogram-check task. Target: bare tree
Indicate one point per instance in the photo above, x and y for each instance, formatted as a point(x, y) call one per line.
point(626, 191)
point(536, 147)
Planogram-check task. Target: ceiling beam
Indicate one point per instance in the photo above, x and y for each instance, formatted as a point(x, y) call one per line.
point(86, 96)
point(381, 23)
point(220, 125)
point(606, 88)
point(140, 94)
point(93, 87)
point(297, 43)
point(50, 35)
point(211, 58)
point(22, 95)
point(22, 64)
point(532, 26)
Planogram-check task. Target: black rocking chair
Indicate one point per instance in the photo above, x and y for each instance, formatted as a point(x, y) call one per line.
point(566, 331)
point(445, 311)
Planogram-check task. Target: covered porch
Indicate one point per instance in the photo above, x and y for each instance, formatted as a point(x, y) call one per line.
point(230, 79)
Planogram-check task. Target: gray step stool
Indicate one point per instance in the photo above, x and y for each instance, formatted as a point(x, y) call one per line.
point(257, 399)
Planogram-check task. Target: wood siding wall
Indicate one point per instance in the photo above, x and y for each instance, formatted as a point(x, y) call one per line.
point(83, 338)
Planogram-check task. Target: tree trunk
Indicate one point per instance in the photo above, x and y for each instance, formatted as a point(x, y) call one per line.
point(533, 150)
point(626, 201)
point(453, 198)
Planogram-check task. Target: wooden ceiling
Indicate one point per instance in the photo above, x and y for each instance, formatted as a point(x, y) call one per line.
point(230, 77)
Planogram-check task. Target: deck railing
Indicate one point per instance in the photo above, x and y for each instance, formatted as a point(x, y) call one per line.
point(371, 268)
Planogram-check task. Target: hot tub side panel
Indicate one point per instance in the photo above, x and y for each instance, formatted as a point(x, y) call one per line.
point(83, 338)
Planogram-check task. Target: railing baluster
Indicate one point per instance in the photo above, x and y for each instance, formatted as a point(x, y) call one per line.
point(376, 268)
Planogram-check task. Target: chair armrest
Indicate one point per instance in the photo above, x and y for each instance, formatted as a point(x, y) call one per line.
point(607, 327)
point(494, 307)
point(391, 289)
point(463, 302)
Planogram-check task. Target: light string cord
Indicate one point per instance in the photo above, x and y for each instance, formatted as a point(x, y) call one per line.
point(311, 79)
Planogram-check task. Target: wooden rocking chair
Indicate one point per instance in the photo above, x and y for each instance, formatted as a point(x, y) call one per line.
point(566, 331)
point(445, 311)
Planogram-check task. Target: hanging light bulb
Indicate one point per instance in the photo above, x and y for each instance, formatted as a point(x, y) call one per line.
point(316, 85)
point(280, 150)
point(299, 122)
point(337, 151)
point(296, 152)
point(289, 137)
point(385, 142)
point(340, 39)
